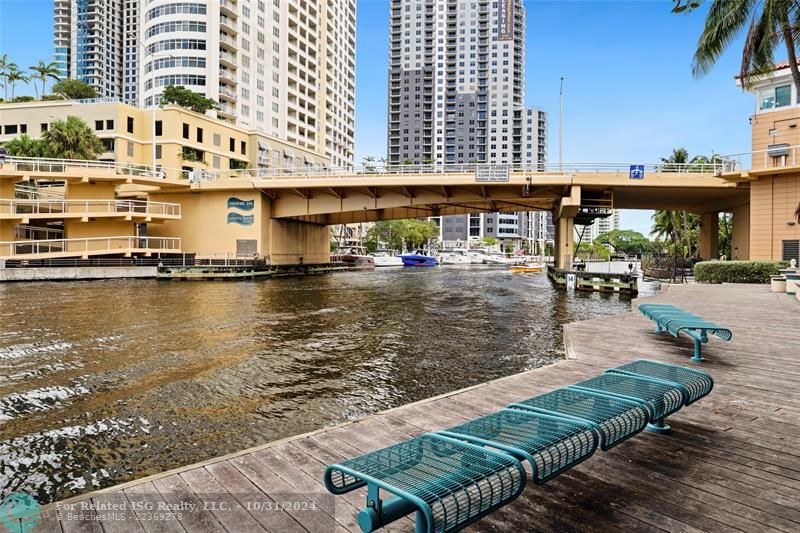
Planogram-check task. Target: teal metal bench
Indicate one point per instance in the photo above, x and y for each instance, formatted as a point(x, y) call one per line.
point(660, 398)
point(549, 443)
point(455, 477)
point(675, 321)
point(614, 419)
point(696, 382)
point(449, 483)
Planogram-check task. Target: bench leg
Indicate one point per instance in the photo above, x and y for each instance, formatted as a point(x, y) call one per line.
point(659, 426)
point(697, 357)
point(658, 328)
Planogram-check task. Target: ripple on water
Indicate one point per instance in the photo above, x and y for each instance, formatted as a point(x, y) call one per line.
point(133, 377)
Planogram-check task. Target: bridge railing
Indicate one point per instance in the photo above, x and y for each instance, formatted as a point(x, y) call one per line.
point(92, 245)
point(202, 175)
point(472, 168)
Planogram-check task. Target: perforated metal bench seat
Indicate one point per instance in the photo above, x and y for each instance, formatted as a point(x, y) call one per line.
point(448, 482)
point(550, 444)
point(697, 383)
point(614, 419)
point(661, 398)
point(675, 321)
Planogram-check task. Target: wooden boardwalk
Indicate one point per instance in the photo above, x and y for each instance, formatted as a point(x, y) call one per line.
point(732, 462)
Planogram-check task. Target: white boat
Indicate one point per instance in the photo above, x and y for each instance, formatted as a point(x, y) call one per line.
point(476, 257)
point(497, 259)
point(454, 257)
point(385, 259)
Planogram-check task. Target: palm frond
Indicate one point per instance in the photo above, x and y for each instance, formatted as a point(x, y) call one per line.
point(724, 21)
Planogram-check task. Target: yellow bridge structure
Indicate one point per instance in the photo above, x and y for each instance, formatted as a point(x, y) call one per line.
point(283, 214)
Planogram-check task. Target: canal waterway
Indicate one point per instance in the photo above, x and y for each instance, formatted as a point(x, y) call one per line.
point(104, 382)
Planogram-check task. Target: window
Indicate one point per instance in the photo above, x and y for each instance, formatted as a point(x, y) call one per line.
point(776, 97)
point(10, 129)
point(232, 144)
point(185, 130)
point(98, 125)
point(44, 126)
point(130, 149)
point(130, 124)
point(109, 124)
point(244, 148)
point(217, 140)
point(199, 135)
point(791, 250)
point(158, 151)
point(23, 128)
point(159, 128)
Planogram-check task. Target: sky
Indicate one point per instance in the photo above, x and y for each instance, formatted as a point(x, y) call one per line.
point(629, 91)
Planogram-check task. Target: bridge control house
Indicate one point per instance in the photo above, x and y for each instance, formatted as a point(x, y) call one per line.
point(217, 190)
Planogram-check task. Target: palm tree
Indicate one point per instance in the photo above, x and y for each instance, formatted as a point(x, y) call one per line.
point(71, 139)
point(14, 75)
point(6, 68)
point(771, 22)
point(24, 146)
point(43, 71)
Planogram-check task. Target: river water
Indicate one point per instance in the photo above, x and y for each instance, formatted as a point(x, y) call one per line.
point(104, 382)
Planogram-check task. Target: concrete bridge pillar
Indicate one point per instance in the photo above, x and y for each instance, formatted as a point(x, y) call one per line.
point(564, 248)
point(708, 239)
point(740, 234)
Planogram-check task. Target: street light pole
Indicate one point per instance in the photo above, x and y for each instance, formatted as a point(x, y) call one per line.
point(561, 126)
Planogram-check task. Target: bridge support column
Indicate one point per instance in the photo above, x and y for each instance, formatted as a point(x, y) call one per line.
point(564, 242)
point(740, 233)
point(708, 239)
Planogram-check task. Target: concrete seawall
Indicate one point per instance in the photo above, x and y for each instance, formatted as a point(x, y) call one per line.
point(76, 273)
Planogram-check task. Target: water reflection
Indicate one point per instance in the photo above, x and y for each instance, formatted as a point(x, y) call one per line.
point(103, 382)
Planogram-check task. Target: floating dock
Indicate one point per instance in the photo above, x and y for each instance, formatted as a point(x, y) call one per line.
point(234, 272)
point(731, 463)
point(593, 281)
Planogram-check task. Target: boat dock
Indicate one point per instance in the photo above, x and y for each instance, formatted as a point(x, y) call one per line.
point(732, 462)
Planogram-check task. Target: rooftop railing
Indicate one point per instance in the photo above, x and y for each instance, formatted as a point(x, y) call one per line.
point(776, 156)
point(51, 206)
point(111, 168)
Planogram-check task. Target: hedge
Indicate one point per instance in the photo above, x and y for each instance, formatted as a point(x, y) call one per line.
point(737, 271)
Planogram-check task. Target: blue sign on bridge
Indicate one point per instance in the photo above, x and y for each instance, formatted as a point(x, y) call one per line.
point(637, 172)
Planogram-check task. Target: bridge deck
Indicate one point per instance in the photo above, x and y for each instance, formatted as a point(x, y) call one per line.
point(732, 462)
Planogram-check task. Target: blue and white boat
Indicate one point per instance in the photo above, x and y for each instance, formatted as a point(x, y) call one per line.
point(418, 260)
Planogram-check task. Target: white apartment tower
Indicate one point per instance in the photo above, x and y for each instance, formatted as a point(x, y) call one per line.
point(283, 67)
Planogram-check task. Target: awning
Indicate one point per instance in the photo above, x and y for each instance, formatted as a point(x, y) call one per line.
point(288, 153)
point(262, 146)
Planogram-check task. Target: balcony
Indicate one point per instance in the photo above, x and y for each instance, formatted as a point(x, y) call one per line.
point(227, 76)
point(53, 208)
point(85, 248)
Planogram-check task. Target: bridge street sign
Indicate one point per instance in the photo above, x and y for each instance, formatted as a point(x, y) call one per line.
point(492, 174)
point(636, 172)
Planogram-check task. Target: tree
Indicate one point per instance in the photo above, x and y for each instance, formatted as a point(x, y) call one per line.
point(71, 139)
point(489, 241)
point(5, 67)
point(74, 89)
point(369, 163)
point(625, 241)
point(725, 233)
point(13, 76)
point(42, 72)
point(401, 235)
point(175, 94)
point(24, 146)
point(771, 22)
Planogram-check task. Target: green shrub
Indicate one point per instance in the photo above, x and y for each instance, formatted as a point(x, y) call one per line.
point(737, 271)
